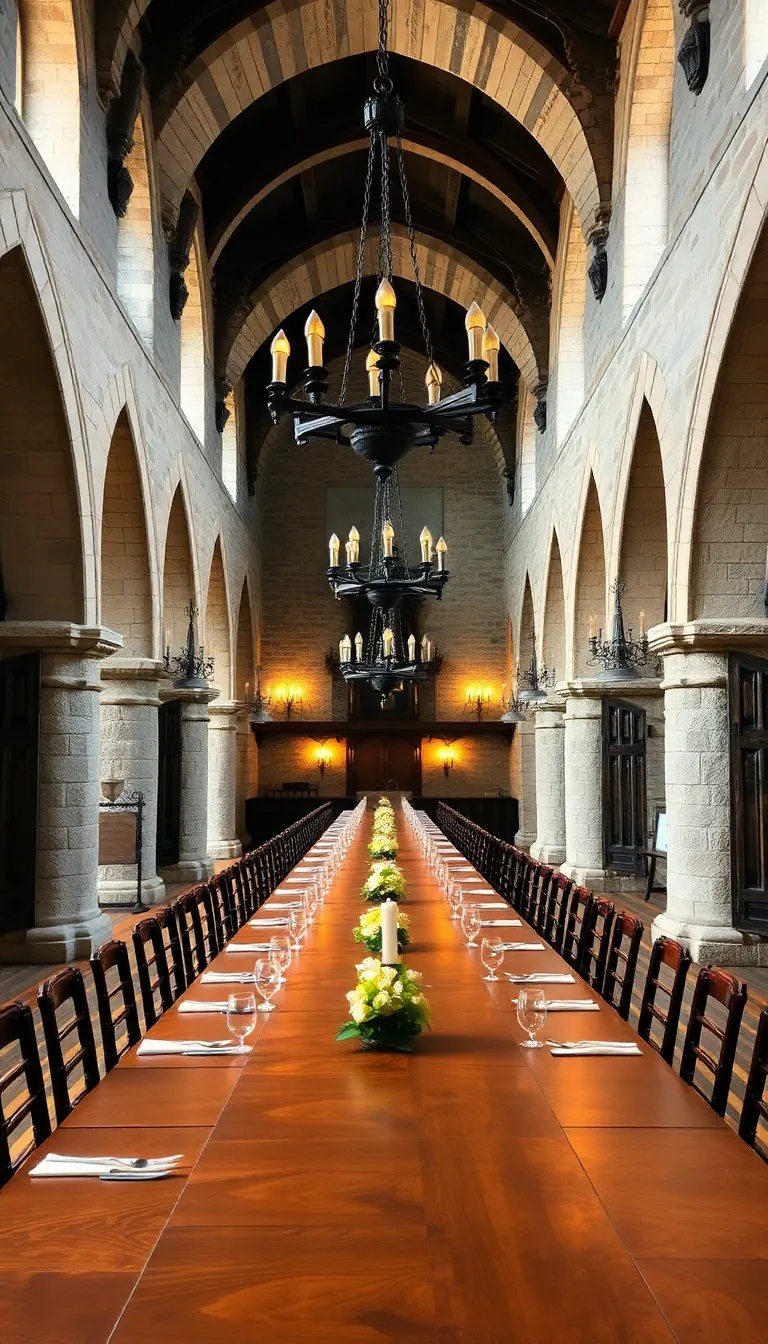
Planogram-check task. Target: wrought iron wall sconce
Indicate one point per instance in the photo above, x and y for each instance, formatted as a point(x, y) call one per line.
point(258, 704)
point(447, 759)
point(534, 682)
point(513, 708)
point(323, 758)
point(478, 700)
point(621, 655)
point(191, 669)
point(289, 698)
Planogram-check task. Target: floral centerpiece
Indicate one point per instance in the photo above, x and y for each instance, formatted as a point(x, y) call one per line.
point(386, 1008)
point(368, 931)
point(384, 883)
point(383, 847)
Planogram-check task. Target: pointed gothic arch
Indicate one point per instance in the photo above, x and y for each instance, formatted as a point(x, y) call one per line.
point(553, 620)
point(136, 244)
point(126, 581)
point(643, 557)
point(50, 90)
point(590, 590)
point(218, 643)
point(179, 587)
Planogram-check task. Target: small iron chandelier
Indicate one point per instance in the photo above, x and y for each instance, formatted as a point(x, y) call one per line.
point(191, 670)
point(514, 709)
point(620, 656)
point(534, 682)
point(377, 429)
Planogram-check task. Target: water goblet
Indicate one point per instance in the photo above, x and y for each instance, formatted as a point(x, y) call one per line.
point(280, 955)
point(531, 1014)
point(492, 956)
point(470, 923)
point(241, 1016)
point(297, 924)
point(266, 979)
point(454, 899)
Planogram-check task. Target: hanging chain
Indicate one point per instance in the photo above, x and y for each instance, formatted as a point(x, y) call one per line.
point(359, 269)
point(412, 248)
point(383, 84)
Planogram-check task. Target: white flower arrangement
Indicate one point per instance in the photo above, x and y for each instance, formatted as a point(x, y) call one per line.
point(386, 1007)
point(368, 931)
point(385, 882)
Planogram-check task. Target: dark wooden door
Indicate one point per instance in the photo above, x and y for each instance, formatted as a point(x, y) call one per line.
point(19, 755)
point(624, 798)
point(748, 707)
point(385, 762)
point(169, 783)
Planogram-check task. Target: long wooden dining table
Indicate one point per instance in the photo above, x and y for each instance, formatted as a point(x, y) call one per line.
point(471, 1191)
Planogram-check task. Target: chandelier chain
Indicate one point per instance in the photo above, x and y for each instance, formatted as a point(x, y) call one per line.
point(412, 248)
point(359, 270)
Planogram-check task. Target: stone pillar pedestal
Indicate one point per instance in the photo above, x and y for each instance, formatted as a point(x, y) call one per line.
point(194, 864)
point(222, 780)
point(549, 745)
point(68, 923)
point(129, 751)
point(524, 782)
point(583, 765)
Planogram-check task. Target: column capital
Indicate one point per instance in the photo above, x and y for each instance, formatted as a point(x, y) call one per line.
point(92, 641)
point(745, 634)
point(592, 688)
point(188, 696)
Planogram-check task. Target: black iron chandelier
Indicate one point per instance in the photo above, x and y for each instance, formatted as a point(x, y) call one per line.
point(380, 429)
point(620, 656)
point(191, 669)
point(535, 681)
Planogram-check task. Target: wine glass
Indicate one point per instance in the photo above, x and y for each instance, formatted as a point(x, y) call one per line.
point(241, 1016)
point(297, 923)
point(531, 1014)
point(454, 899)
point(492, 956)
point(267, 980)
point(470, 923)
point(280, 955)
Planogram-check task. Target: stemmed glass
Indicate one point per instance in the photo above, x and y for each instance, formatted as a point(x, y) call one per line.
point(531, 1014)
point(492, 956)
point(297, 923)
point(280, 956)
point(241, 1016)
point(454, 899)
point(267, 980)
point(470, 923)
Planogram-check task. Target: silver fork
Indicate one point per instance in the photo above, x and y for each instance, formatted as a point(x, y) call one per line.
point(122, 1163)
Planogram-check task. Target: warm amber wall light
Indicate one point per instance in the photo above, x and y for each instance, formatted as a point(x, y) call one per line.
point(323, 758)
point(447, 758)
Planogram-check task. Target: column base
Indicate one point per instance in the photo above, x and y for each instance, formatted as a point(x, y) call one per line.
point(224, 849)
point(524, 839)
point(713, 943)
point(56, 943)
point(594, 878)
point(121, 891)
point(552, 855)
point(189, 870)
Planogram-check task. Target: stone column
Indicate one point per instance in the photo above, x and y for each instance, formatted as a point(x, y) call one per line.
point(549, 744)
point(524, 768)
point(68, 923)
point(129, 751)
point(583, 764)
point(247, 774)
point(222, 780)
point(194, 864)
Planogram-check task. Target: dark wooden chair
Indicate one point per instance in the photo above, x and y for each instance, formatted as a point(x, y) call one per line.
point(66, 989)
point(755, 1106)
point(112, 956)
point(235, 897)
point(713, 986)
point(25, 1076)
point(665, 952)
point(169, 926)
point(214, 933)
point(546, 882)
point(189, 913)
point(576, 929)
point(597, 941)
point(657, 853)
point(557, 912)
point(621, 963)
point(154, 971)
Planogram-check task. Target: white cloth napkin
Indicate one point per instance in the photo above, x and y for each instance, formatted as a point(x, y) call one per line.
point(616, 1048)
point(247, 947)
point(571, 1005)
point(281, 922)
point(491, 905)
point(154, 1046)
point(284, 905)
point(500, 923)
point(55, 1164)
point(227, 977)
point(523, 947)
point(201, 1006)
point(539, 978)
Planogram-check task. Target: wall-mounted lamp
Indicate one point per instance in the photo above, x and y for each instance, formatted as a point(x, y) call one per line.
point(447, 759)
point(478, 699)
point(323, 758)
point(289, 698)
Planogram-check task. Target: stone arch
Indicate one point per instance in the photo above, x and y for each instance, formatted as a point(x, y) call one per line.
point(179, 586)
point(126, 582)
point(41, 541)
point(135, 243)
point(245, 647)
point(18, 229)
point(526, 628)
point(477, 45)
point(192, 377)
point(218, 641)
point(50, 93)
point(643, 557)
point(730, 531)
point(570, 304)
point(332, 263)
point(646, 181)
point(755, 39)
point(553, 620)
point(230, 447)
point(590, 592)
point(747, 237)
point(526, 435)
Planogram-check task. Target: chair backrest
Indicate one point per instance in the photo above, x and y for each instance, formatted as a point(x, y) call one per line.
point(112, 956)
point(596, 942)
point(234, 893)
point(24, 1077)
point(713, 986)
point(168, 920)
point(755, 1106)
point(664, 953)
point(189, 914)
point(154, 971)
point(621, 964)
point(557, 913)
point(576, 929)
point(544, 894)
point(67, 989)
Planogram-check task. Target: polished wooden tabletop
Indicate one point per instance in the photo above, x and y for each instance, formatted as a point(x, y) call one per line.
point(472, 1191)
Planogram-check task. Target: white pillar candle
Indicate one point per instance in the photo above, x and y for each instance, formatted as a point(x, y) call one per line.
point(388, 640)
point(359, 647)
point(389, 952)
point(333, 550)
point(411, 648)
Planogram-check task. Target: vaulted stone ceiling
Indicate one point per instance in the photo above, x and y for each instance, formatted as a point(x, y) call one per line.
point(257, 109)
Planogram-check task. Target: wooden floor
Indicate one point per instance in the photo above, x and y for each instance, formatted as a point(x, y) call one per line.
point(473, 1193)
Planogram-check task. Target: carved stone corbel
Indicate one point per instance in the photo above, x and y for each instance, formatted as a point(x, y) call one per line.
point(120, 123)
point(222, 389)
point(597, 270)
point(694, 48)
point(179, 250)
point(540, 409)
point(509, 477)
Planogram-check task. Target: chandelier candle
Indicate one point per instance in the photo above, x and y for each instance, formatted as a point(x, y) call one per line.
point(359, 647)
point(372, 369)
point(475, 325)
point(389, 952)
point(491, 347)
point(426, 545)
point(315, 335)
point(334, 545)
point(388, 539)
point(411, 648)
point(441, 548)
point(388, 640)
point(280, 349)
point(386, 303)
point(433, 382)
point(354, 541)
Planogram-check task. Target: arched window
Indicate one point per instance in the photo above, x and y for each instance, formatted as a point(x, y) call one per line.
point(755, 38)
point(229, 451)
point(135, 245)
point(570, 340)
point(192, 394)
point(527, 441)
point(646, 194)
point(50, 90)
